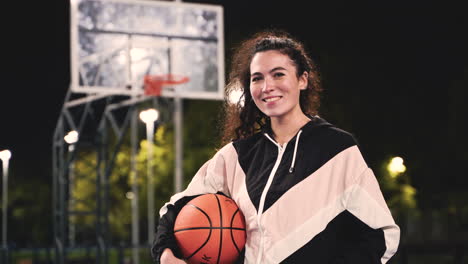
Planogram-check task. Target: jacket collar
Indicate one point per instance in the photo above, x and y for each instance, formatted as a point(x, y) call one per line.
point(315, 122)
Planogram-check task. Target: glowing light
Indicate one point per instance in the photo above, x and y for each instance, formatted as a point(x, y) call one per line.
point(149, 116)
point(130, 195)
point(71, 137)
point(5, 155)
point(396, 166)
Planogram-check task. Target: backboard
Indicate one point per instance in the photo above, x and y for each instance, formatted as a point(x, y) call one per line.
point(116, 43)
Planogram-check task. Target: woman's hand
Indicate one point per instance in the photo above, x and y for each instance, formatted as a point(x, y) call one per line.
point(167, 257)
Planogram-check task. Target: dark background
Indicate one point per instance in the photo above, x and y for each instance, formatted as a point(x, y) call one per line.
point(395, 74)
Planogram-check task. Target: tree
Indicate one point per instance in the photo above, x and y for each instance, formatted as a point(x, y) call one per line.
point(200, 142)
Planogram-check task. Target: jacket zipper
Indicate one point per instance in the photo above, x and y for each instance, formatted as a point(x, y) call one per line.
point(262, 198)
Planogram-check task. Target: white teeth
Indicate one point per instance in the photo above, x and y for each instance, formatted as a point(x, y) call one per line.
point(271, 99)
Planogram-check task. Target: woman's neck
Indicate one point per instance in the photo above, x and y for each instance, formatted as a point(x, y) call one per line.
point(286, 128)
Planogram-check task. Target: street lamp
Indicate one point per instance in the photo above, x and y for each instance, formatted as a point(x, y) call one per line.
point(396, 166)
point(5, 156)
point(149, 116)
point(71, 138)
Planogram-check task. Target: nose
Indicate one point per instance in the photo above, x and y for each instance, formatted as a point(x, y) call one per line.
point(267, 85)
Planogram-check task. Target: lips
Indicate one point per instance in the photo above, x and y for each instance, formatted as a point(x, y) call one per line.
point(271, 99)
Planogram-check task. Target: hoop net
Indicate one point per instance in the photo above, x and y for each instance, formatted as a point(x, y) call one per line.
point(153, 84)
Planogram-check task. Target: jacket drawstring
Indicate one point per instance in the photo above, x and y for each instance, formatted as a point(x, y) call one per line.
point(291, 169)
point(272, 140)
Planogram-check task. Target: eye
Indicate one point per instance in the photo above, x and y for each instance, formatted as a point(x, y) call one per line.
point(255, 79)
point(278, 74)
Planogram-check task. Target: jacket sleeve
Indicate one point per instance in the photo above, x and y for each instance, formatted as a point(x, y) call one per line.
point(210, 178)
point(372, 232)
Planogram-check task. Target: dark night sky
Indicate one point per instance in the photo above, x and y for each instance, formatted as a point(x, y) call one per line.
point(395, 72)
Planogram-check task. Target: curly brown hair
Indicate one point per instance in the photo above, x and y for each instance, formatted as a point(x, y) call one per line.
point(244, 119)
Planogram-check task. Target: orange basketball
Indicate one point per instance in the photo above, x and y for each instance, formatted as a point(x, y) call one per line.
point(210, 229)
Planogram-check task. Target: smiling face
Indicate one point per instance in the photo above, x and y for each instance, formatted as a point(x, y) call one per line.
point(274, 85)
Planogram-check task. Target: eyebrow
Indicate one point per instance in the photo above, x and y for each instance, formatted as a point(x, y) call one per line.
point(272, 70)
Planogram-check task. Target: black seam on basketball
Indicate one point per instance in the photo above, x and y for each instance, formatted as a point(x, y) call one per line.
point(221, 231)
point(209, 234)
point(198, 228)
point(232, 235)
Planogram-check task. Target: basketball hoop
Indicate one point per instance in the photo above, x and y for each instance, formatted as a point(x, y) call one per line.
point(153, 84)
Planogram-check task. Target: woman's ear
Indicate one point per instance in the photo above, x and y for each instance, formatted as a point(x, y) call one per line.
point(303, 80)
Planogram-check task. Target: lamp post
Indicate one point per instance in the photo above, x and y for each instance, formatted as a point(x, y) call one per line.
point(71, 138)
point(134, 181)
point(5, 156)
point(149, 116)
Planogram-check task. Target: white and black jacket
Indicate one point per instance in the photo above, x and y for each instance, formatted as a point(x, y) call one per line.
point(312, 200)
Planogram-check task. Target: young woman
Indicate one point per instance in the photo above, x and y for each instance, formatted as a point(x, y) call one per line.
point(305, 190)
